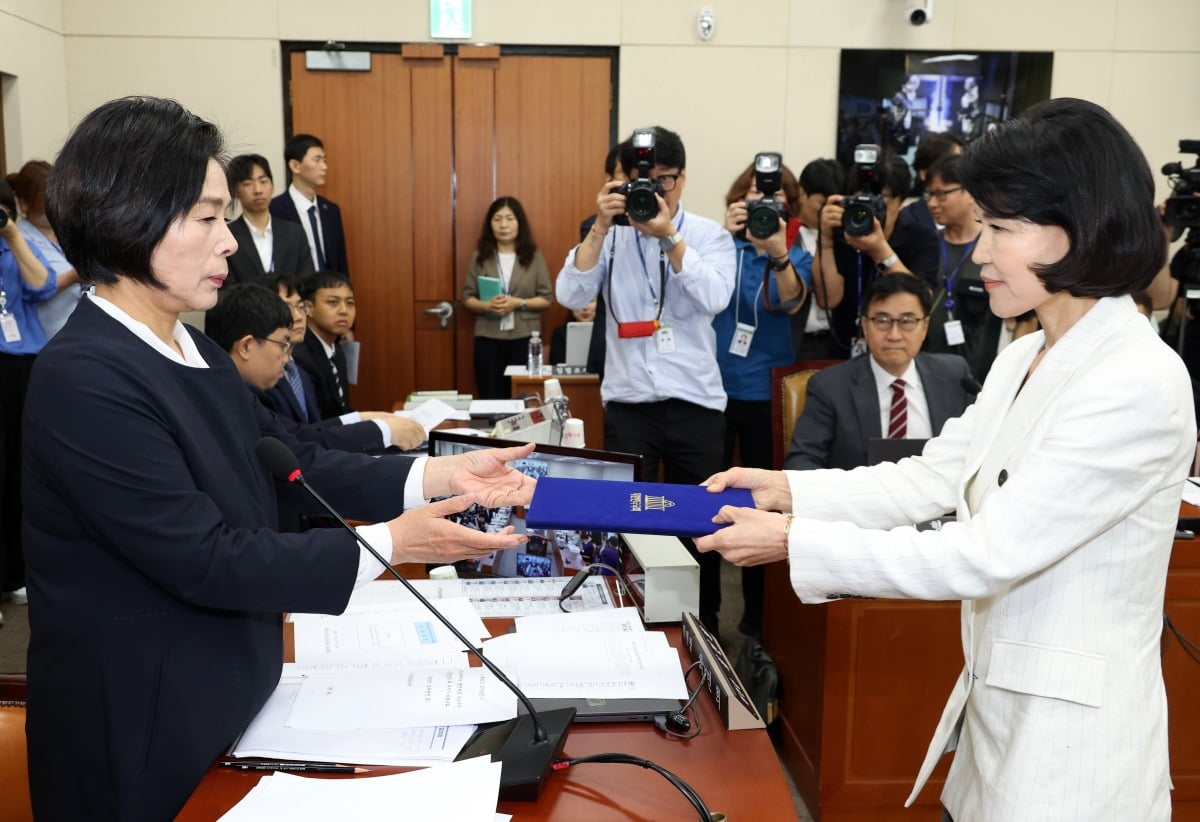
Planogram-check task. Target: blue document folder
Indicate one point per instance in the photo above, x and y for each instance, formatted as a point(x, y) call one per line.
point(629, 507)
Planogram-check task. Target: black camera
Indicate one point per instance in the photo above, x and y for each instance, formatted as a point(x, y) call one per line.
point(641, 195)
point(866, 205)
point(3, 218)
point(763, 215)
point(1183, 209)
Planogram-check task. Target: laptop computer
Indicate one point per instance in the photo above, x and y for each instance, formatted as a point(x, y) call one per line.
point(609, 710)
point(881, 449)
point(579, 337)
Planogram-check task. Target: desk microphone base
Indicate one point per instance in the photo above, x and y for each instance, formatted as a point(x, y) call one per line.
point(524, 764)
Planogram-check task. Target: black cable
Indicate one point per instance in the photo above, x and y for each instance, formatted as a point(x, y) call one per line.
point(626, 759)
point(663, 723)
point(1190, 648)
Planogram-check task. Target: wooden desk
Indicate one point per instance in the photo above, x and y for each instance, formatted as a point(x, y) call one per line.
point(863, 683)
point(736, 772)
point(583, 393)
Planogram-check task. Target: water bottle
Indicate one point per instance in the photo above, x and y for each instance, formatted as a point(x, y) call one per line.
point(534, 360)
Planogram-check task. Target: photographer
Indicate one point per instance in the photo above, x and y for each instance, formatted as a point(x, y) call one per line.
point(754, 331)
point(663, 275)
point(852, 256)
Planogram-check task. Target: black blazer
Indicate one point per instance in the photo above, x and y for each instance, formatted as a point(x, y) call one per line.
point(331, 226)
point(310, 356)
point(156, 575)
point(290, 254)
point(841, 409)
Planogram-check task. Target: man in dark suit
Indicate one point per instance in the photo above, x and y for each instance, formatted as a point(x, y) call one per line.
point(892, 391)
point(320, 355)
point(265, 246)
point(320, 218)
point(254, 326)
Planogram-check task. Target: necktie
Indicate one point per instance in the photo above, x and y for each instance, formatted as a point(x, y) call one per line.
point(293, 378)
point(898, 425)
point(337, 378)
point(316, 230)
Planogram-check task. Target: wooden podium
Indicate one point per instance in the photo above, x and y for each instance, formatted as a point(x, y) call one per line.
point(862, 684)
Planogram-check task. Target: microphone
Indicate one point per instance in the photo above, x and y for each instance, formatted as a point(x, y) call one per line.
point(971, 385)
point(526, 746)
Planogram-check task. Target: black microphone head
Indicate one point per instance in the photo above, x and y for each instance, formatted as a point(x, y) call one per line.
point(277, 458)
point(971, 385)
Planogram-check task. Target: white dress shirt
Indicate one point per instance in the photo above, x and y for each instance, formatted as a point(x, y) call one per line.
point(918, 426)
point(264, 243)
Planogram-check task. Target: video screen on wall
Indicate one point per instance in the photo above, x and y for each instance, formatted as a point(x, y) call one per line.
point(892, 98)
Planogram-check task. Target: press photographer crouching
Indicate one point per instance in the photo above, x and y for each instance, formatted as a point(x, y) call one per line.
point(663, 273)
point(1182, 211)
point(754, 332)
point(866, 234)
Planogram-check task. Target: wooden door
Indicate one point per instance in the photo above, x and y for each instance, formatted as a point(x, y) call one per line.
point(418, 148)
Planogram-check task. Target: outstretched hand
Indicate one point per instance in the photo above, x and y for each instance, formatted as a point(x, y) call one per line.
point(752, 537)
point(424, 534)
point(483, 473)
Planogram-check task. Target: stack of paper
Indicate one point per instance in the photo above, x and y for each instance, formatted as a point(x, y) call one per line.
point(501, 597)
point(465, 792)
point(599, 654)
point(384, 629)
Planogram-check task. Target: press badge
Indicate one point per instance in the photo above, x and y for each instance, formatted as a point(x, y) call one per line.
point(8, 322)
point(664, 338)
point(954, 332)
point(858, 348)
point(508, 322)
point(743, 335)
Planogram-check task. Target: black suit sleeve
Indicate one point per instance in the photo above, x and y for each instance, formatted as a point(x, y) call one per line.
point(813, 434)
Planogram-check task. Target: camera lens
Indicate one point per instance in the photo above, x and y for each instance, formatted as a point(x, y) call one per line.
point(641, 203)
point(858, 220)
point(762, 221)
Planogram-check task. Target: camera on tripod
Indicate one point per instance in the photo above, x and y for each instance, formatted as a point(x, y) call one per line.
point(763, 215)
point(1183, 209)
point(641, 195)
point(866, 205)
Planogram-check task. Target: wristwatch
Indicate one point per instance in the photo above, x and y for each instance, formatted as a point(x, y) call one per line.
point(668, 243)
point(884, 265)
point(523, 304)
point(780, 263)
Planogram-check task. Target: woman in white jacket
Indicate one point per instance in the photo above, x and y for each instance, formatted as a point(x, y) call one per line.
point(1065, 477)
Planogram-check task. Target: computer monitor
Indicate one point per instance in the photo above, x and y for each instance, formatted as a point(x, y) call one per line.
point(548, 552)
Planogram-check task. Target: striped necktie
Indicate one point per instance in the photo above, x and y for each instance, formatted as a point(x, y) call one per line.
point(293, 379)
point(316, 230)
point(898, 424)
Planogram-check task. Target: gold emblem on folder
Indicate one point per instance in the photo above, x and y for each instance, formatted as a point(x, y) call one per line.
point(649, 502)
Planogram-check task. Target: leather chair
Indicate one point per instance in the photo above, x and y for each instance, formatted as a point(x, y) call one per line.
point(789, 384)
point(14, 769)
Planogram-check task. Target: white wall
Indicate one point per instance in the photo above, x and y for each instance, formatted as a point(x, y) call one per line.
point(767, 79)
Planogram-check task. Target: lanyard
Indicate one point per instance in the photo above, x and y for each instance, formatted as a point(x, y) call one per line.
point(3, 302)
point(737, 305)
point(953, 275)
point(662, 279)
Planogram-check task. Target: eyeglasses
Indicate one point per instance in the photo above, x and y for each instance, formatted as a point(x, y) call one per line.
point(303, 307)
point(286, 346)
point(941, 196)
point(667, 181)
point(908, 322)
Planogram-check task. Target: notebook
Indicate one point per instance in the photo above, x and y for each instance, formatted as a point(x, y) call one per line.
point(609, 710)
point(579, 339)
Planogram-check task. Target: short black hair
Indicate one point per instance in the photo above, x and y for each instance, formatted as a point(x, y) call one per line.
point(128, 171)
point(668, 151)
point(296, 147)
point(1069, 163)
point(241, 168)
point(610, 160)
point(323, 279)
point(245, 309)
point(287, 282)
point(894, 174)
point(933, 147)
point(946, 169)
point(886, 285)
point(823, 176)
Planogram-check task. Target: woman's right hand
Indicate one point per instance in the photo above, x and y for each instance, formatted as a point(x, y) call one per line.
point(425, 535)
point(735, 216)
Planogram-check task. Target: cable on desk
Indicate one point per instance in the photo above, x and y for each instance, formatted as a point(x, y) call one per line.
point(625, 759)
point(576, 582)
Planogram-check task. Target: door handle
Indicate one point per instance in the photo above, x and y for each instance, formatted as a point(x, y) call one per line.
point(443, 311)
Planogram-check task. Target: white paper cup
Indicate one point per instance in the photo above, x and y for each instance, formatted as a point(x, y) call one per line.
point(443, 572)
point(551, 389)
point(572, 436)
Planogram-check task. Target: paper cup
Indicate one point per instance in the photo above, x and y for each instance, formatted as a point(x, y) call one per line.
point(551, 389)
point(572, 436)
